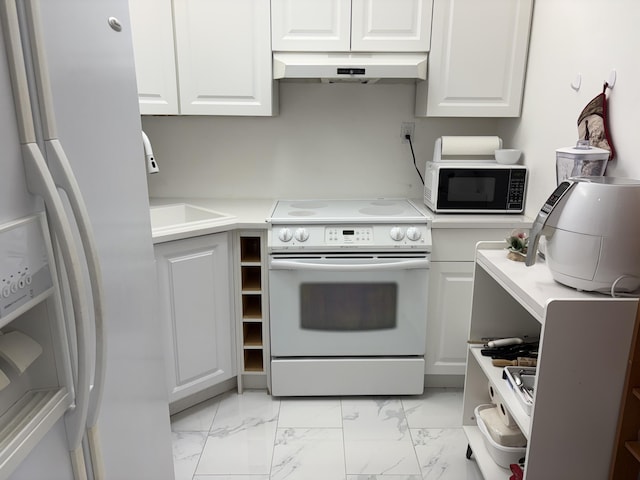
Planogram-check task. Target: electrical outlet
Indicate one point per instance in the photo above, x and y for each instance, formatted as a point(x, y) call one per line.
point(407, 128)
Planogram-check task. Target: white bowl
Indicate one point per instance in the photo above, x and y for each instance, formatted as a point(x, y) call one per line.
point(508, 156)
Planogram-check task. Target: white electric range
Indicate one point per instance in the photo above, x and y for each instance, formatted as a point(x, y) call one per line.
point(348, 284)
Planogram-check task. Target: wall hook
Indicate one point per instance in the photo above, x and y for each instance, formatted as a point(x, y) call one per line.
point(612, 79)
point(575, 84)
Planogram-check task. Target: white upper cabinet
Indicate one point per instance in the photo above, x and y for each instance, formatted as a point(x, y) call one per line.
point(222, 63)
point(152, 34)
point(224, 57)
point(356, 25)
point(478, 59)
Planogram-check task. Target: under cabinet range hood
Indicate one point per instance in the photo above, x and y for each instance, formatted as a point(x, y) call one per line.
point(349, 67)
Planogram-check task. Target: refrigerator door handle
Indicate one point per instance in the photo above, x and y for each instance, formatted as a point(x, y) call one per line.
point(64, 178)
point(39, 182)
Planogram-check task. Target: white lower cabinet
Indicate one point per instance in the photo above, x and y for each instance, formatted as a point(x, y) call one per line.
point(450, 289)
point(450, 285)
point(584, 351)
point(196, 313)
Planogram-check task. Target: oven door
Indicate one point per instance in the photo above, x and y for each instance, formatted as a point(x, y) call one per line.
point(348, 305)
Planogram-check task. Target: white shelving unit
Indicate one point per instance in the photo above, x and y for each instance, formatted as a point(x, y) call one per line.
point(585, 341)
point(252, 308)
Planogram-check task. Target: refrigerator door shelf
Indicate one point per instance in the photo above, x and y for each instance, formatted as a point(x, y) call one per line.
point(27, 421)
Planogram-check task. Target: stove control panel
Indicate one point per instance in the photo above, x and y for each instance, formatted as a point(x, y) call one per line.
point(344, 236)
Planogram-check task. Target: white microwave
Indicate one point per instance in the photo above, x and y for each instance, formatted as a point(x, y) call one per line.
point(469, 187)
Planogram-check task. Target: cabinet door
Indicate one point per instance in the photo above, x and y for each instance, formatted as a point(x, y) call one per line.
point(478, 59)
point(450, 290)
point(391, 25)
point(311, 25)
point(193, 279)
point(152, 32)
point(224, 57)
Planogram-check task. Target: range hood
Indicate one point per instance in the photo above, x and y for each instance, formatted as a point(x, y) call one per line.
point(349, 67)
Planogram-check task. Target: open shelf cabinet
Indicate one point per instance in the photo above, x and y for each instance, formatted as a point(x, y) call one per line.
point(626, 462)
point(585, 340)
point(253, 310)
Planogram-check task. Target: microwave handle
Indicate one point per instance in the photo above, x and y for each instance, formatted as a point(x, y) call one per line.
point(404, 264)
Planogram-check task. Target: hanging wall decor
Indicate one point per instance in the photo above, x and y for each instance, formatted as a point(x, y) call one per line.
point(593, 123)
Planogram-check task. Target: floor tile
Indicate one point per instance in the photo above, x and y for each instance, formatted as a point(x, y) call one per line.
point(253, 436)
point(441, 453)
point(310, 413)
point(308, 454)
point(234, 477)
point(378, 418)
point(384, 477)
point(435, 408)
point(380, 457)
point(241, 439)
point(197, 418)
point(187, 447)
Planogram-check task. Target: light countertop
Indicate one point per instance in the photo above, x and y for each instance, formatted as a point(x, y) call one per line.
point(253, 214)
point(241, 214)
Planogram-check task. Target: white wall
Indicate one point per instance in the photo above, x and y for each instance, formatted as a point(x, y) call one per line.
point(590, 37)
point(339, 140)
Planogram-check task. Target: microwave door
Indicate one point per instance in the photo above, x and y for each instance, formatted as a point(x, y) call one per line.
point(473, 189)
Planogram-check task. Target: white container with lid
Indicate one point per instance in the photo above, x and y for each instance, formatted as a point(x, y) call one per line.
point(580, 161)
point(503, 456)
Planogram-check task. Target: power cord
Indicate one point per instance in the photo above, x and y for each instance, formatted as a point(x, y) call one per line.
point(408, 137)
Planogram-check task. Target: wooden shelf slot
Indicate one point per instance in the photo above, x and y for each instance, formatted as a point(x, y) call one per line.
point(253, 361)
point(250, 249)
point(251, 278)
point(251, 306)
point(252, 334)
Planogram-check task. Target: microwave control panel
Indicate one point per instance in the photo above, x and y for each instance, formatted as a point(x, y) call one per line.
point(517, 188)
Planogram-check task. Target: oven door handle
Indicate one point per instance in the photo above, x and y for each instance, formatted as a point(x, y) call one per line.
point(396, 264)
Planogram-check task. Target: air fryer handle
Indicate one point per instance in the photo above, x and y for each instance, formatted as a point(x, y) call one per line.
point(534, 237)
point(537, 229)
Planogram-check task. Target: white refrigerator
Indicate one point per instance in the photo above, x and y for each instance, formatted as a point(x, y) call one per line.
point(82, 385)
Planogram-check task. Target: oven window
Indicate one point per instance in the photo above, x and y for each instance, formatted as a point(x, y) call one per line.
point(348, 306)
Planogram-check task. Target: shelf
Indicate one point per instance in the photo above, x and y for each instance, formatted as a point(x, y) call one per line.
point(28, 420)
point(251, 278)
point(531, 289)
point(252, 335)
point(494, 374)
point(253, 361)
point(634, 448)
point(489, 468)
point(250, 250)
point(252, 306)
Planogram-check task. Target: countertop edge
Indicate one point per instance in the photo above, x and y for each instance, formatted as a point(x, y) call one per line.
point(254, 214)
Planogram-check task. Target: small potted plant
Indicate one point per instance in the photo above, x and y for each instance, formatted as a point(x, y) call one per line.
point(517, 244)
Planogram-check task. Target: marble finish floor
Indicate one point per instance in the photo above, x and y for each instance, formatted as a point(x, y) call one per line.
point(254, 436)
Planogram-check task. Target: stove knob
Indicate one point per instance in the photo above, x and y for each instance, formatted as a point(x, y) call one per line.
point(396, 234)
point(301, 234)
point(284, 235)
point(413, 233)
